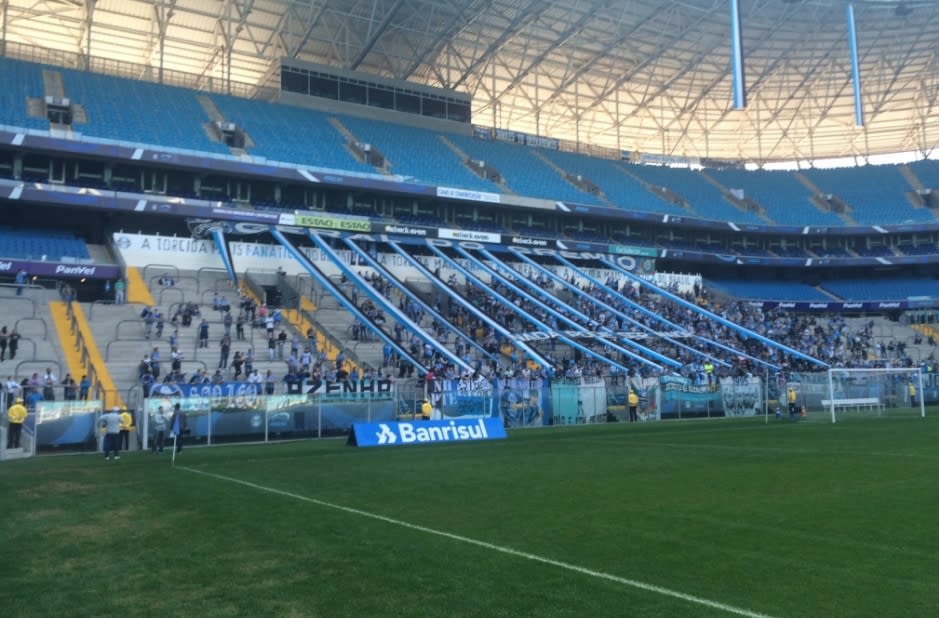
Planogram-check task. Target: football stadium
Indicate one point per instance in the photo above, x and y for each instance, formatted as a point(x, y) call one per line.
point(469, 307)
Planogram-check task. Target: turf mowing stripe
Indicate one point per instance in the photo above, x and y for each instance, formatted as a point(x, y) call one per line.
point(690, 598)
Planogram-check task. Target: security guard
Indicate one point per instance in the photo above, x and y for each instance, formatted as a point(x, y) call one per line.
point(127, 425)
point(426, 410)
point(633, 406)
point(15, 415)
point(791, 396)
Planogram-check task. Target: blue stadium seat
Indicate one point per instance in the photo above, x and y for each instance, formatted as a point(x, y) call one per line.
point(20, 81)
point(34, 244)
point(892, 288)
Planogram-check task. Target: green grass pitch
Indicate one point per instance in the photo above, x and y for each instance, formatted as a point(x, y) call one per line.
point(684, 519)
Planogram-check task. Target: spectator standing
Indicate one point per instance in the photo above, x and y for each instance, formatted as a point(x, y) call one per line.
point(20, 281)
point(69, 388)
point(13, 343)
point(204, 334)
point(119, 292)
point(111, 422)
point(240, 326)
point(13, 390)
point(159, 431)
point(224, 350)
point(84, 387)
point(271, 348)
point(4, 337)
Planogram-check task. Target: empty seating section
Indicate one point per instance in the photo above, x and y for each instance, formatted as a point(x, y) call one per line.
point(621, 189)
point(142, 112)
point(20, 82)
point(417, 152)
point(785, 200)
point(523, 172)
point(927, 171)
point(919, 249)
point(767, 290)
point(875, 193)
point(896, 288)
point(291, 134)
point(41, 244)
point(706, 200)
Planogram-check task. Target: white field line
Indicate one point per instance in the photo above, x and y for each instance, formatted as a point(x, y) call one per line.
point(690, 598)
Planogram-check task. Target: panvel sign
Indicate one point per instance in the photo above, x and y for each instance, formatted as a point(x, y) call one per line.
point(426, 432)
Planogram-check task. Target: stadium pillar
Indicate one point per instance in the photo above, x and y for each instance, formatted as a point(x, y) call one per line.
point(855, 67)
point(736, 43)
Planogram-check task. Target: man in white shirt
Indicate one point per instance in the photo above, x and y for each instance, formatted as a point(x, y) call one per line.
point(111, 421)
point(13, 390)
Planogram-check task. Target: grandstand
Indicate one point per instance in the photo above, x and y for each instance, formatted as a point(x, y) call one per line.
point(305, 220)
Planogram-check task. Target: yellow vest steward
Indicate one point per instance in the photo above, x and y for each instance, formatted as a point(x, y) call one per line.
point(633, 399)
point(127, 421)
point(17, 413)
point(792, 396)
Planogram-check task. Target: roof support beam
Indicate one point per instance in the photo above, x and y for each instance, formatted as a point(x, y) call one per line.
point(376, 34)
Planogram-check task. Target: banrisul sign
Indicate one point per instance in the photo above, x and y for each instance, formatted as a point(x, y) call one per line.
point(426, 432)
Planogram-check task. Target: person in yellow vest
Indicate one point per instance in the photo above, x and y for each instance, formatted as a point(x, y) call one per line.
point(911, 389)
point(127, 425)
point(633, 401)
point(709, 372)
point(426, 410)
point(791, 397)
point(16, 414)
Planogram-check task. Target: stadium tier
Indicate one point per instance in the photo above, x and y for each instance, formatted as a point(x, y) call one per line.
point(784, 199)
point(874, 194)
point(705, 200)
point(417, 153)
point(894, 288)
point(523, 171)
point(290, 134)
point(620, 188)
point(22, 81)
point(767, 290)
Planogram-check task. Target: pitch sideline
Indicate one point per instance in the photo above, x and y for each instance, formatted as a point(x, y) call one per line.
point(690, 598)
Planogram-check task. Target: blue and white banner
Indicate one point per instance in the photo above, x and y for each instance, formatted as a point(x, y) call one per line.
point(426, 432)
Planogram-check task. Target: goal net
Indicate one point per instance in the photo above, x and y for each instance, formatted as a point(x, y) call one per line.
point(843, 393)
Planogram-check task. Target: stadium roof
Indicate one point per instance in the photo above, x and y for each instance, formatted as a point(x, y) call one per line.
point(638, 75)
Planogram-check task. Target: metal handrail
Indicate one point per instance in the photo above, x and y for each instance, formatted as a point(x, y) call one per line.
point(215, 281)
point(117, 327)
point(45, 327)
point(31, 342)
point(91, 308)
point(165, 267)
point(45, 363)
point(31, 301)
point(170, 289)
point(107, 348)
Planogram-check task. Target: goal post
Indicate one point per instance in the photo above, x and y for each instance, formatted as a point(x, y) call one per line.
point(843, 393)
